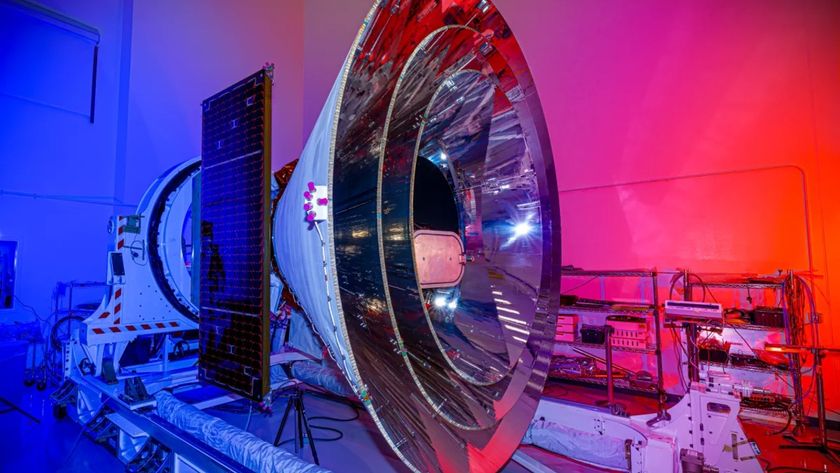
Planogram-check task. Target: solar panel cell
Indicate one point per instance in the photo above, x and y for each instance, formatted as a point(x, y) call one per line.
point(235, 192)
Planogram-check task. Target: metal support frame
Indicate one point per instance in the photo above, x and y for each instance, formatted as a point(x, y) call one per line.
point(612, 406)
point(655, 312)
point(721, 440)
point(301, 424)
point(821, 443)
point(795, 365)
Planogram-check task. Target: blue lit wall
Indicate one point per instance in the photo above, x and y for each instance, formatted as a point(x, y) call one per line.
point(157, 61)
point(185, 51)
point(49, 147)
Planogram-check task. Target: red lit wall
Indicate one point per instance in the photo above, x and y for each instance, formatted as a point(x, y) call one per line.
point(696, 98)
point(729, 111)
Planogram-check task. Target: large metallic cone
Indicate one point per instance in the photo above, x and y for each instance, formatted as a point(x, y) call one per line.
point(432, 91)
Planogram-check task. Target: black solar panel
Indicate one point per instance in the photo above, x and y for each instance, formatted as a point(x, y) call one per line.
point(235, 192)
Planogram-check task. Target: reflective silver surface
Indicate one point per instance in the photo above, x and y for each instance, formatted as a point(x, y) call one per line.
point(452, 375)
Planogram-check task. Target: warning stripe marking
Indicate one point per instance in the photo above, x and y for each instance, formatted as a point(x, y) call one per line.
point(104, 315)
point(132, 328)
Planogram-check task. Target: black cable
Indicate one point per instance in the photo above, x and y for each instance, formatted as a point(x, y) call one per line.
point(793, 468)
point(140, 259)
point(765, 464)
point(768, 467)
point(337, 419)
point(42, 368)
point(75, 445)
point(706, 289)
point(677, 349)
point(54, 341)
point(338, 433)
point(787, 424)
point(567, 291)
point(31, 309)
point(681, 277)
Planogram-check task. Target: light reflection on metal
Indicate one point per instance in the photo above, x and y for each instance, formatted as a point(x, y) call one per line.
point(505, 318)
point(451, 386)
point(517, 329)
point(521, 229)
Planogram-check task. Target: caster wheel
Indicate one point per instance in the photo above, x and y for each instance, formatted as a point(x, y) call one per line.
point(42, 385)
point(28, 382)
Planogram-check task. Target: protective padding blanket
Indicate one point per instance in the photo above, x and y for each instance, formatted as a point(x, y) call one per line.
point(586, 447)
point(325, 375)
point(249, 450)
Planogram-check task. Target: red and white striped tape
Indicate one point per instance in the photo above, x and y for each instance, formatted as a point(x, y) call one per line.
point(134, 327)
point(120, 232)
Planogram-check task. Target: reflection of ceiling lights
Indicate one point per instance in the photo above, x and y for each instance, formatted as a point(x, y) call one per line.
point(509, 311)
point(512, 320)
point(518, 329)
point(441, 300)
point(528, 205)
point(521, 229)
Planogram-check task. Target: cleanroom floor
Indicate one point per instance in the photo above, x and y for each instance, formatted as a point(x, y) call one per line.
point(51, 445)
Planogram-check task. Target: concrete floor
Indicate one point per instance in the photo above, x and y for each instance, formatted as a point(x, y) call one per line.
point(57, 446)
point(47, 445)
point(50, 445)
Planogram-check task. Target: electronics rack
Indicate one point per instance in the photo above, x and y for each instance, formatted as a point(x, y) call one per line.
point(791, 332)
point(648, 308)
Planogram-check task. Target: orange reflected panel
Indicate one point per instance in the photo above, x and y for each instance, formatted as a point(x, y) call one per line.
point(439, 257)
